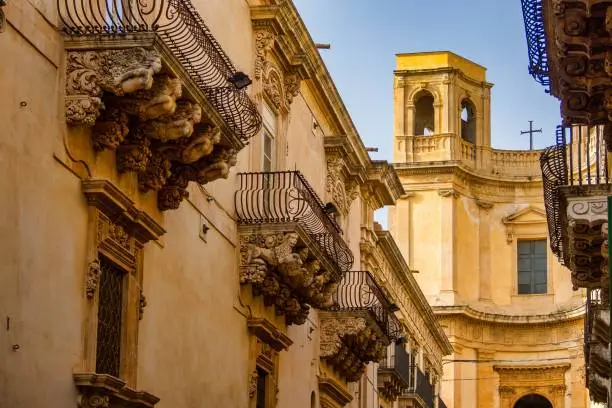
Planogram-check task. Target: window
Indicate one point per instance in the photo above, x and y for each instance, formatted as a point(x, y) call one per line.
point(532, 273)
point(110, 319)
point(269, 139)
point(424, 114)
point(261, 388)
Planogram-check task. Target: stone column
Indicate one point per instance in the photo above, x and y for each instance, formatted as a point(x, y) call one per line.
point(486, 387)
point(484, 250)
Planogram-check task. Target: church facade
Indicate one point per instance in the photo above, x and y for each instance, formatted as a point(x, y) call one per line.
point(473, 226)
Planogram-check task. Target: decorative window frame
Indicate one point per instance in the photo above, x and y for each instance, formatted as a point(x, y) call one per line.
point(118, 231)
point(265, 344)
point(516, 230)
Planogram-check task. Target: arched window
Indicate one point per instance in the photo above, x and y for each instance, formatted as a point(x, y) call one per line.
point(468, 121)
point(424, 114)
point(533, 401)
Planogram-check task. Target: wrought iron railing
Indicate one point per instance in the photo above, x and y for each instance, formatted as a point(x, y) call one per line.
point(358, 291)
point(533, 17)
point(398, 362)
point(592, 304)
point(286, 196)
point(579, 158)
point(184, 32)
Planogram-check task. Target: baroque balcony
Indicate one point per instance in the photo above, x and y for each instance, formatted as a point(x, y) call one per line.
point(420, 394)
point(360, 326)
point(148, 81)
point(292, 252)
point(576, 184)
point(394, 373)
point(569, 51)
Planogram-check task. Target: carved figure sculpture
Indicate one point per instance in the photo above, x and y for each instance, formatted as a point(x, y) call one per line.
point(219, 167)
point(153, 103)
point(178, 125)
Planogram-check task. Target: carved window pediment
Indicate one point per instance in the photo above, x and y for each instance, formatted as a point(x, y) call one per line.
point(522, 221)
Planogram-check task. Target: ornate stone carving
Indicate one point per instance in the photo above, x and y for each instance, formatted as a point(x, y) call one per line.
point(348, 343)
point(449, 192)
point(159, 100)
point(95, 401)
point(341, 194)
point(142, 303)
point(253, 383)
point(264, 41)
point(93, 277)
point(292, 87)
point(282, 270)
point(586, 215)
point(88, 73)
point(110, 129)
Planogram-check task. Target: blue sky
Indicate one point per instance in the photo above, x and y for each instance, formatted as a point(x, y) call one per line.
point(365, 35)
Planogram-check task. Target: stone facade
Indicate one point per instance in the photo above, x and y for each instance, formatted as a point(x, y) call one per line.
point(141, 269)
point(477, 203)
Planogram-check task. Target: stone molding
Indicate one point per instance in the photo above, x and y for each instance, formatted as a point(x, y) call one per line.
point(142, 115)
point(513, 222)
point(105, 391)
point(349, 341)
point(448, 193)
point(281, 266)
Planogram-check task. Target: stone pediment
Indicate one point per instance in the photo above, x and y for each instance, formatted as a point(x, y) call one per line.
point(523, 220)
point(527, 215)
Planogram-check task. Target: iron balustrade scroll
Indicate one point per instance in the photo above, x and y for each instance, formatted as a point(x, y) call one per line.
point(286, 196)
point(592, 304)
point(533, 17)
point(399, 362)
point(184, 32)
point(579, 158)
point(358, 291)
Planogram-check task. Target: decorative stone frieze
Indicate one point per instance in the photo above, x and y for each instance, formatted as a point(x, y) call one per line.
point(105, 391)
point(349, 341)
point(516, 381)
point(282, 268)
point(145, 118)
point(585, 217)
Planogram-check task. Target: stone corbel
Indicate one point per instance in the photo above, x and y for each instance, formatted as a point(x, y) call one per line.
point(279, 267)
point(105, 391)
point(264, 42)
point(118, 72)
point(349, 357)
point(485, 205)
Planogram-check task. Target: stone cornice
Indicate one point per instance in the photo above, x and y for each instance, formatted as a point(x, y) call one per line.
point(103, 390)
point(109, 199)
point(384, 183)
point(556, 367)
point(511, 320)
point(443, 70)
point(269, 334)
point(334, 390)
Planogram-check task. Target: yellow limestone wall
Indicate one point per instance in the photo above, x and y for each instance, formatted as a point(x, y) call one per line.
point(458, 226)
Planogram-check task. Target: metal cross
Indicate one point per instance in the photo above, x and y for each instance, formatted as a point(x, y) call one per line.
point(531, 131)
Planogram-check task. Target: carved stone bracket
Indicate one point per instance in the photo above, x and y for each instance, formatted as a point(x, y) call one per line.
point(585, 216)
point(281, 268)
point(341, 192)
point(349, 341)
point(390, 385)
point(105, 391)
point(156, 132)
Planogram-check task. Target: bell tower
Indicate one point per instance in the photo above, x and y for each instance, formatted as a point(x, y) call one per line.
point(441, 106)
